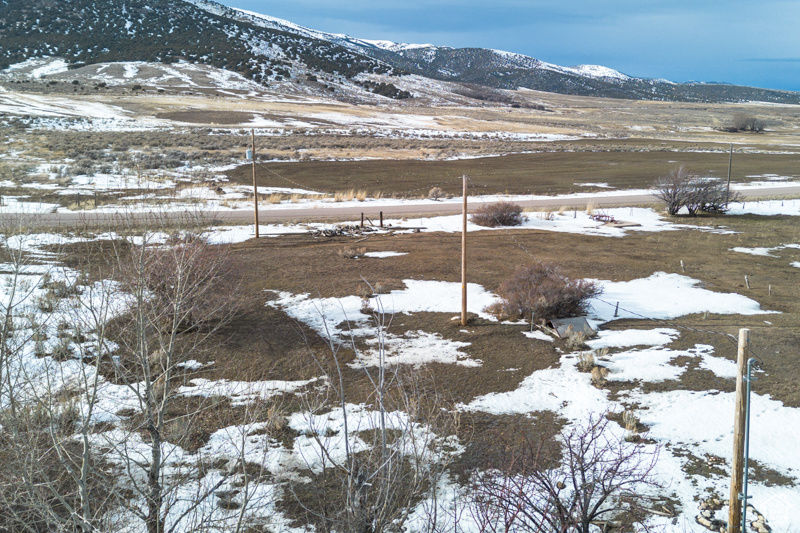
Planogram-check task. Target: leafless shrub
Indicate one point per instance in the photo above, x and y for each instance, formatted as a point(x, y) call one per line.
point(543, 292)
point(601, 479)
point(498, 214)
point(402, 453)
point(712, 196)
point(673, 189)
point(679, 189)
point(36, 491)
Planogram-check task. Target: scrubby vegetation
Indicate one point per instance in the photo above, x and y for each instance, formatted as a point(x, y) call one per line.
point(681, 190)
point(167, 31)
point(498, 214)
point(386, 89)
point(542, 292)
point(745, 122)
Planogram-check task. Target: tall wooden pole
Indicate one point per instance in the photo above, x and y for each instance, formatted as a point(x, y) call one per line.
point(464, 258)
point(255, 187)
point(728, 189)
point(737, 465)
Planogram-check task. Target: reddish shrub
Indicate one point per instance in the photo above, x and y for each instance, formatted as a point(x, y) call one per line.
point(542, 292)
point(498, 214)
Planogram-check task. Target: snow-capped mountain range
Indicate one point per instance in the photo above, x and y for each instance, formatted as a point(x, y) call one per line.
point(269, 50)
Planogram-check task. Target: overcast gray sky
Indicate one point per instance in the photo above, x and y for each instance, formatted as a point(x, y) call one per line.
point(746, 42)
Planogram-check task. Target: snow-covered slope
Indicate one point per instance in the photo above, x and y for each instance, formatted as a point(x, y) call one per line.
point(276, 52)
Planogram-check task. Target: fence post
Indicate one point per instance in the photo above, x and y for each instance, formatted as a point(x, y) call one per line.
point(737, 471)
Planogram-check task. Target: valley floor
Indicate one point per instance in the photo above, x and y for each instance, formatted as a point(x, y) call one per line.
point(263, 414)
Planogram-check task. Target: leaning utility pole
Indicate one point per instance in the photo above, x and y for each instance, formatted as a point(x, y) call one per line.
point(255, 187)
point(728, 189)
point(737, 470)
point(464, 258)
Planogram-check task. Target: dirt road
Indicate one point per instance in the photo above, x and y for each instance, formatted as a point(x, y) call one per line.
point(333, 212)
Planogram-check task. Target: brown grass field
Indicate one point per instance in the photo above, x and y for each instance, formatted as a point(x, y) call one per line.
point(265, 344)
point(624, 165)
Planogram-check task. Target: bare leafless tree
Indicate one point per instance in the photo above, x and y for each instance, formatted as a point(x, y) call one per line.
point(600, 479)
point(674, 189)
point(158, 300)
point(679, 189)
point(745, 122)
point(396, 447)
point(179, 293)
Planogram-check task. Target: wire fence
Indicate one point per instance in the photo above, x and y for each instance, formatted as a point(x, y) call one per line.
point(476, 189)
point(726, 336)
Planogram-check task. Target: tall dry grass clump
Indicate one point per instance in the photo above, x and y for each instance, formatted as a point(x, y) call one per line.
point(352, 253)
point(631, 422)
point(436, 193)
point(352, 194)
point(586, 362)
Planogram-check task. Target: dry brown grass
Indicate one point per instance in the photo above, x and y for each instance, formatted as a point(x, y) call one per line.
point(351, 194)
point(628, 164)
point(352, 253)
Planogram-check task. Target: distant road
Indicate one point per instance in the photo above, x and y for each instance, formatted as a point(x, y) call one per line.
point(335, 213)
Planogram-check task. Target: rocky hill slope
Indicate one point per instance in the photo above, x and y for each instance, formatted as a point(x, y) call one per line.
point(267, 50)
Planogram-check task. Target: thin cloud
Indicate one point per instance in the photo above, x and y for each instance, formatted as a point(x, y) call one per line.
point(773, 59)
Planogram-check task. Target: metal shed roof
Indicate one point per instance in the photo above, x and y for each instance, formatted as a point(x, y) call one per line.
point(563, 326)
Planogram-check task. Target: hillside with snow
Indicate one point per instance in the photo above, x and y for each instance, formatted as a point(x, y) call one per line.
point(268, 50)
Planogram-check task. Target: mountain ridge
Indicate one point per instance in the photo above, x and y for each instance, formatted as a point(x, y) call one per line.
point(267, 50)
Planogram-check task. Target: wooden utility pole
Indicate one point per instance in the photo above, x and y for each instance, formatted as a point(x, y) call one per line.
point(255, 187)
point(728, 189)
point(464, 258)
point(737, 470)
